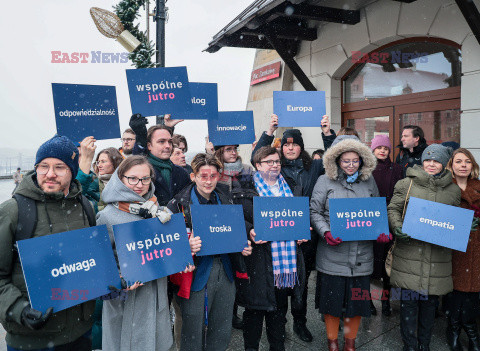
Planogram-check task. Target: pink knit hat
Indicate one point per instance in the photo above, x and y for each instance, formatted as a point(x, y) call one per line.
point(381, 140)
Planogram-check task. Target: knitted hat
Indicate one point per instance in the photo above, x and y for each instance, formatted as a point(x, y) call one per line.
point(62, 148)
point(438, 153)
point(381, 140)
point(293, 136)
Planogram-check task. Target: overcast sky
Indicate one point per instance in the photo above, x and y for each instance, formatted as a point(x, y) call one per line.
point(35, 29)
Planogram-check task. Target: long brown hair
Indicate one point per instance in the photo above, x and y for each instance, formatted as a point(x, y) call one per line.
point(114, 156)
point(475, 168)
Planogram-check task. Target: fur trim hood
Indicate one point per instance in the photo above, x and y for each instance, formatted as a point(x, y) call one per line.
point(346, 143)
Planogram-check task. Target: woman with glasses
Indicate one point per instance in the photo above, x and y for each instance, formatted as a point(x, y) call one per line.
point(343, 267)
point(139, 319)
point(211, 287)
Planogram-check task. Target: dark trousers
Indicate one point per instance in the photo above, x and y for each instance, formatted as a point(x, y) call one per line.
point(417, 315)
point(83, 343)
point(299, 312)
point(463, 307)
point(275, 322)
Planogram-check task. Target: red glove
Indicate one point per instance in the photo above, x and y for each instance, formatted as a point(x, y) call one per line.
point(384, 238)
point(330, 240)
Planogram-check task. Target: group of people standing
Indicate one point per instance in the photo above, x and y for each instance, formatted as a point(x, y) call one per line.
point(149, 177)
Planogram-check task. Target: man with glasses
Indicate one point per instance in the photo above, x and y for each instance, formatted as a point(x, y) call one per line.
point(60, 207)
point(128, 142)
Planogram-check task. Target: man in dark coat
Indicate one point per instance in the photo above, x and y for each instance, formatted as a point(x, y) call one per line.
point(156, 145)
point(411, 147)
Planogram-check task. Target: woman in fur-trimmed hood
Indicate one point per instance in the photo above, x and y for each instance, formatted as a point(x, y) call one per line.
point(342, 266)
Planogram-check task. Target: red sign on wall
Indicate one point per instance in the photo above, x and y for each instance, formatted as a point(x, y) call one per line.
point(265, 73)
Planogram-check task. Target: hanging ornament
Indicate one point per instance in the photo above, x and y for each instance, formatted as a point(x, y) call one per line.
point(111, 26)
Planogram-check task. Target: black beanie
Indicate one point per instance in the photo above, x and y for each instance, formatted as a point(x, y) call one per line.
point(292, 136)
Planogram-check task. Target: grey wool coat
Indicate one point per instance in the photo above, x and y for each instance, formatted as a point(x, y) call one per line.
point(350, 258)
point(142, 320)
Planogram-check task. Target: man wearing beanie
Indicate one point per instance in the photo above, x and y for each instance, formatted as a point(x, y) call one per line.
point(52, 188)
point(301, 174)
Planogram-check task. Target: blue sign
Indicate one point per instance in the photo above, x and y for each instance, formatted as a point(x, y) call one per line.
point(438, 224)
point(358, 219)
point(299, 108)
point(158, 91)
point(149, 250)
point(232, 128)
point(281, 218)
point(204, 102)
point(220, 227)
point(66, 269)
point(85, 110)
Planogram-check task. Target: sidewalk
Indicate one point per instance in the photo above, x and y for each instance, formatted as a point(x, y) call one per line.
point(376, 333)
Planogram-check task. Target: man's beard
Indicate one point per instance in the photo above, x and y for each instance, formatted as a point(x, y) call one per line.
point(128, 151)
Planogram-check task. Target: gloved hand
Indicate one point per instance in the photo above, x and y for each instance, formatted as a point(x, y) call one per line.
point(139, 125)
point(384, 238)
point(401, 235)
point(330, 240)
point(163, 214)
point(474, 224)
point(148, 209)
point(34, 319)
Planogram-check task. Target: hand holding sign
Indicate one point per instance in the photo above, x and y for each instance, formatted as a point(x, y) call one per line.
point(325, 123)
point(171, 122)
point(273, 126)
point(195, 244)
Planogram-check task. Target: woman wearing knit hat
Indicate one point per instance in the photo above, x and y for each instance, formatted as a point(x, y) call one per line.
point(422, 270)
point(386, 175)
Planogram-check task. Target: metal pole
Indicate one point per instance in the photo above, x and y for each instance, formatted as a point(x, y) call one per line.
point(160, 18)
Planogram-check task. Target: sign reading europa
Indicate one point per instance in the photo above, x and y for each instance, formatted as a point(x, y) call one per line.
point(266, 73)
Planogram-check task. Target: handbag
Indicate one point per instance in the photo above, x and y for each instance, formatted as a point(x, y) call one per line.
point(389, 258)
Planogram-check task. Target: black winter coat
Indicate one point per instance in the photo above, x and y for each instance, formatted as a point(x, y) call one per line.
point(258, 292)
point(408, 159)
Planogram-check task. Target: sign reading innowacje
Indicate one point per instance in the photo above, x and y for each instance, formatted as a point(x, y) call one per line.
point(232, 128)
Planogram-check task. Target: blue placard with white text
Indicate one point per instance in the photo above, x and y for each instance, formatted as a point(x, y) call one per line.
point(149, 250)
point(158, 91)
point(204, 102)
point(359, 218)
point(232, 128)
point(85, 110)
point(438, 224)
point(299, 108)
point(66, 269)
point(281, 218)
point(220, 227)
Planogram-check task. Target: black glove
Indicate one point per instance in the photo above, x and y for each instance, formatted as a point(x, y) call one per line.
point(474, 224)
point(139, 125)
point(123, 284)
point(34, 319)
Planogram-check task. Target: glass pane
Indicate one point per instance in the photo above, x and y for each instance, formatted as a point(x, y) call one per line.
point(368, 128)
point(438, 126)
point(403, 69)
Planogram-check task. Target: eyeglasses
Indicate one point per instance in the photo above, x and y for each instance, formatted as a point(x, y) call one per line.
point(135, 180)
point(59, 170)
point(127, 140)
point(271, 162)
point(231, 151)
point(353, 163)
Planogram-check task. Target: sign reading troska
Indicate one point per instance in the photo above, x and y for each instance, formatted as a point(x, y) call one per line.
point(281, 218)
point(161, 90)
point(299, 108)
point(265, 73)
point(85, 110)
point(66, 269)
point(204, 102)
point(220, 227)
point(149, 250)
point(359, 218)
point(232, 128)
point(438, 224)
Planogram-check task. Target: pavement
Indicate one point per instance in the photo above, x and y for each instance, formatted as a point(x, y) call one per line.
point(376, 333)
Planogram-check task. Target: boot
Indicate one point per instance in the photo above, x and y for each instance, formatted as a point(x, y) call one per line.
point(473, 338)
point(349, 345)
point(423, 347)
point(333, 345)
point(453, 333)
point(302, 331)
point(386, 309)
point(373, 310)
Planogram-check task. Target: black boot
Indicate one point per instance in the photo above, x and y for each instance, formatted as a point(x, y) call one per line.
point(386, 309)
point(373, 310)
point(423, 347)
point(302, 331)
point(237, 322)
point(453, 333)
point(473, 338)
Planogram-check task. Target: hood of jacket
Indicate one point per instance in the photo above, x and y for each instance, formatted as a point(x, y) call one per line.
point(116, 191)
point(346, 143)
point(29, 188)
point(422, 178)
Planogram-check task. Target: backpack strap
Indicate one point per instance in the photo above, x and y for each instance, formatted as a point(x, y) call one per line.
point(27, 217)
point(87, 207)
